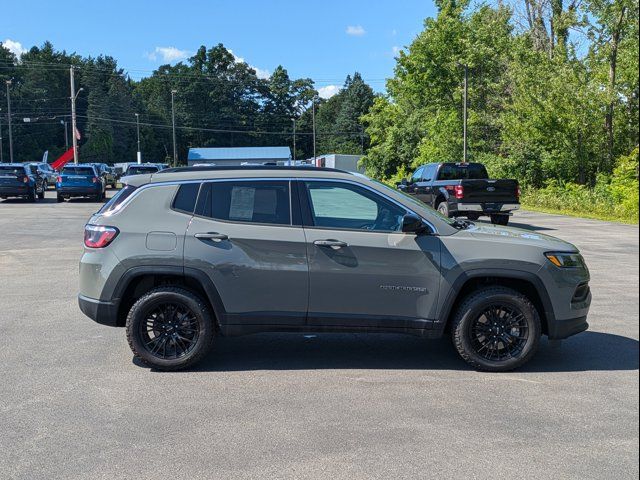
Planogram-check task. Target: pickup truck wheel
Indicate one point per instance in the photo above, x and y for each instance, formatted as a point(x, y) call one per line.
point(443, 208)
point(496, 329)
point(170, 328)
point(500, 219)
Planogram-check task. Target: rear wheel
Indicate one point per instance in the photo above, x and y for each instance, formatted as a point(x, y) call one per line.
point(500, 219)
point(32, 195)
point(170, 328)
point(443, 208)
point(43, 190)
point(496, 329)
point(60, 198)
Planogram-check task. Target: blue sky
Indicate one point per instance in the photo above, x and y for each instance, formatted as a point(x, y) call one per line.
point(323, 40)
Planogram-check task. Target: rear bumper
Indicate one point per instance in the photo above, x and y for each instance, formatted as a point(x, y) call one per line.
point(15, 191)
point(560, 329)
point(78, 191)
point(486, 208)
point(99, 311)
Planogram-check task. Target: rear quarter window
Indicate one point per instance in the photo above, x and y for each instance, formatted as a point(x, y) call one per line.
point(185, 199)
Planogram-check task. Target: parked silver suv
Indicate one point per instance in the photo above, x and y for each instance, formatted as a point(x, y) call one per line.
point(184, 255)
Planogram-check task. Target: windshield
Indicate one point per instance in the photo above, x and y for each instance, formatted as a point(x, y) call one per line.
point(138, 170)
point(4, 170)
point(78, 170)
point(416, 202)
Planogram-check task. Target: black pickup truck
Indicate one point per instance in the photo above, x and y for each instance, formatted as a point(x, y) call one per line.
point(463, 190)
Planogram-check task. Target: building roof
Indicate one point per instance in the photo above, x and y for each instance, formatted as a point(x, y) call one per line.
point(239, 153)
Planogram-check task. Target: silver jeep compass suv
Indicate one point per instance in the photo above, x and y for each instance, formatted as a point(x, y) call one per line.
point(184, 255)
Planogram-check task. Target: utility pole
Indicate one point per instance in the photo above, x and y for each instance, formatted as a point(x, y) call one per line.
point(313, 117)
point(173, 122)
point(464, 113)
point(73, 117)
point(294, 140)
point(1, 159)
point(9, 122)
point(139, 156)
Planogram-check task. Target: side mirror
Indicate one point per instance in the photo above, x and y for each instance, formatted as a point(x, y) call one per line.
point(412, 223)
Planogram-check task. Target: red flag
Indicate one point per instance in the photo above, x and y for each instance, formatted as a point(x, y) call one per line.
point(63, 159)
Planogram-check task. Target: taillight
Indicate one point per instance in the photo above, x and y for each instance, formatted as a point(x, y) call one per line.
point(94, 179)
point(25, 179)
point(459, 191)
point(98, 236)
point(59, 179)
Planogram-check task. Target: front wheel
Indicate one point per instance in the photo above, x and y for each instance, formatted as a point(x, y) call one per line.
point(170, 328)
point(496, 329)
point(42, 191)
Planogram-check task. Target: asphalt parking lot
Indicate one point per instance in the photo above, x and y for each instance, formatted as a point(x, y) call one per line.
point(73, 404)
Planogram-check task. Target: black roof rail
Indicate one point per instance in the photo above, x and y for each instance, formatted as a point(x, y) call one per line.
point(250, 167)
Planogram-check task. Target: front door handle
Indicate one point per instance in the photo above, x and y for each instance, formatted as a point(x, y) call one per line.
point(215, 236)
point(335, 244)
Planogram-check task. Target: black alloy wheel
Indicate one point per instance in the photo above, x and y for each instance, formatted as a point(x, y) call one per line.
point(170, 328)
point(496, 329)
point(170, 331)
point(499, 333)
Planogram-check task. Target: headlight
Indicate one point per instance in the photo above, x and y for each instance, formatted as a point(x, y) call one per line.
point(565, 260)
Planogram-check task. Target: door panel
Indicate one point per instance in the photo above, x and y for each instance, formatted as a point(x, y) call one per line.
point(375, 276)
point(387, 277)
point(259, 270)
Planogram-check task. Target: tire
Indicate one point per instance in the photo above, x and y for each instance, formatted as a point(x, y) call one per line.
point(32, 196)
point(44, 189)
point(500, 219)
point(443, 208)
point(60, 199)
point(474, 333)
point(139, 328)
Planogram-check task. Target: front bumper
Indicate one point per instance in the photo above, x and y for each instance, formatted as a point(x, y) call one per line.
point(105, 313)
point(487, 207)
point(561, 329)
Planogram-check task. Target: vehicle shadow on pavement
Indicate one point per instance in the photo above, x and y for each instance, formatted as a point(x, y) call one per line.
point(588, 351)
point(17, 201)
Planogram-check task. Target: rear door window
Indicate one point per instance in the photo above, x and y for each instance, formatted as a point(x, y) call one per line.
point(261, 201)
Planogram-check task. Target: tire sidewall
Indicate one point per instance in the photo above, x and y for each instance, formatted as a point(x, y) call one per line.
point(476, 308)
point(138, 314)
point(443, 208)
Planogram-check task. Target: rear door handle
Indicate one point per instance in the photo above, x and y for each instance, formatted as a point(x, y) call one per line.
point(335, 244)
point(215, 236)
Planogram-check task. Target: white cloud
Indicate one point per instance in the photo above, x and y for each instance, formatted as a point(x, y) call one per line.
point(395, 50)
point(355, 30)
point(328, 91)
point(14, 47)
point(168, 54)
point(260, 72)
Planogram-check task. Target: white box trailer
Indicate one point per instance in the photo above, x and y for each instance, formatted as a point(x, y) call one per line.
point(348, 163)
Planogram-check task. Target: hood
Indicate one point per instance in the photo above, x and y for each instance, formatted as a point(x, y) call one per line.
point(519, 235)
